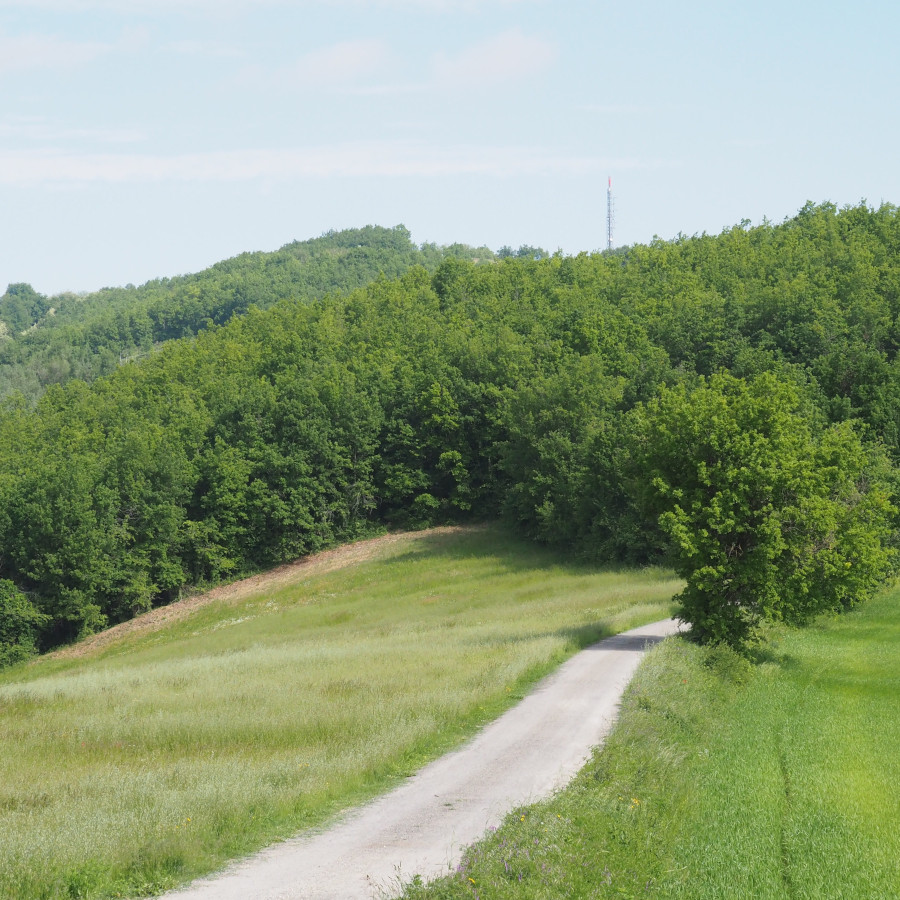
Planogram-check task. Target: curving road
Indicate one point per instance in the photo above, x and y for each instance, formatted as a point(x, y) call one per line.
point(423, 826)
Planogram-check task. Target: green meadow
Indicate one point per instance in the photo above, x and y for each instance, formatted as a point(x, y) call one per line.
point(161, 756)
point(726, 779)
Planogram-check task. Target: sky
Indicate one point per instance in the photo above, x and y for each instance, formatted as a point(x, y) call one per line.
point(147, 138)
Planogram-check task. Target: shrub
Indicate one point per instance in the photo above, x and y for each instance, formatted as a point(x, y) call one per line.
point(19, 625)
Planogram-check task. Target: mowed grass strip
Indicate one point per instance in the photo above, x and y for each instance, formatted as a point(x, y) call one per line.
point(726, 780)
point(158, 758)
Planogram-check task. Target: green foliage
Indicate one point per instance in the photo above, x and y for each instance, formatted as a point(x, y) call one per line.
point(19, 625)
point(782, 782)
point(728, 664)
point(274, 406)
point(86, 336)
point(769, 517)
point(20, 308)
point(525, 251)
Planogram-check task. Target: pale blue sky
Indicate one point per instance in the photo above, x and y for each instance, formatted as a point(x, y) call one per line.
point(155, 137)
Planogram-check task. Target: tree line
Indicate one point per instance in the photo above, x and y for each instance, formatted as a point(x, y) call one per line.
point(725, 403)
point(49, 340)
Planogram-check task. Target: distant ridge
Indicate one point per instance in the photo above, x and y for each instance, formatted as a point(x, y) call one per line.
point(46, 341)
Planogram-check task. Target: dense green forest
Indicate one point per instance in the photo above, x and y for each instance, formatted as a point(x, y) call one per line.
point(731, 402)
point(48, 340)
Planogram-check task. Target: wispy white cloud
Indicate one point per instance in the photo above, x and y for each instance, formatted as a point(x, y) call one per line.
point(656, 109)
point(390, 88)
point(125, 9)
point(220, 6)
point(507, 57)
point(203, 48)
point(42, 51)
point(614, 109)
point(345, 65)
point(360, 66)
point(49, 51)
point(36, 128)
point(338, 65)
point(442, 5)
point(365, 159)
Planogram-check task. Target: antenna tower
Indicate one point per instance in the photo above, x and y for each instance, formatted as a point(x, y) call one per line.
point(610, 215)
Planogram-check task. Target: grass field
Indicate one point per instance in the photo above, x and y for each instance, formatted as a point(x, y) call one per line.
point(159, 756)
point(723, 780)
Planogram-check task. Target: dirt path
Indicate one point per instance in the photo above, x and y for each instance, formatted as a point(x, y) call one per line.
point(422, 826)
point(308, 566)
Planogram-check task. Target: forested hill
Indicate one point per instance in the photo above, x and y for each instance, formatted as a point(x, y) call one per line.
point(48, 340)
point(733, 399)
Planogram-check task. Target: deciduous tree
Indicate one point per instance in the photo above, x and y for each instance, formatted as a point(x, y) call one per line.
point(769, 516)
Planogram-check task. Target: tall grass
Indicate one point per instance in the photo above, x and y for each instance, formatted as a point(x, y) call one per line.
point(726, 780)
point(164, 755)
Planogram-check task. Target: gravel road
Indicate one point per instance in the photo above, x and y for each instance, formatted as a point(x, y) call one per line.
point(422, 826)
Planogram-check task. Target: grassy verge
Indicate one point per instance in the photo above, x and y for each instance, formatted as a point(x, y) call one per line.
point(159, 757)
point(721, 780)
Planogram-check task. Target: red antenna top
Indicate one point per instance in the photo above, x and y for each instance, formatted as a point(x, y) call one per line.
point(610, 180)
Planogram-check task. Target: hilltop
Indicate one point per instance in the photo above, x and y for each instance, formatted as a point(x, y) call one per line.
point(48, 340)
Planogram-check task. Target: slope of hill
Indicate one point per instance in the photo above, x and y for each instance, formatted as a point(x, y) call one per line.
point(516, 389)
point(52, 339)
point(140, 762)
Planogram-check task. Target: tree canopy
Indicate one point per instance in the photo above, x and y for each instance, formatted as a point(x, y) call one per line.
point(730, 403)
point(770, 516)
point(51, 340)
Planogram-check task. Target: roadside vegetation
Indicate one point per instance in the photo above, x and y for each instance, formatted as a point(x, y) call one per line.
point(725, 778)
point(131, 767)
point(723, 405)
